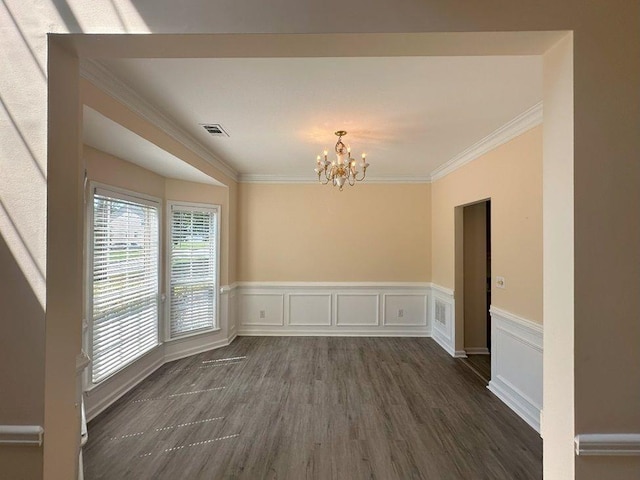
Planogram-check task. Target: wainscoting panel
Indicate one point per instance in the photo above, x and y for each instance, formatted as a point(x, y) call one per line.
point(405, 310)
point(323, 308)
point(265, 309)
point(309, 309)
point(516, 364)
point(442, 313)
point(232, 316)
point(357, 309)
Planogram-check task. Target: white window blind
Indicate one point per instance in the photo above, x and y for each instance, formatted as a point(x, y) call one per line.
point(193, 275)
point(125, 293)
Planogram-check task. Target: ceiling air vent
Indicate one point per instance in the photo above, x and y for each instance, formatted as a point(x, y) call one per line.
point(215, 129)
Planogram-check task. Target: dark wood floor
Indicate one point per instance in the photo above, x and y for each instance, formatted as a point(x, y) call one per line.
point(313, 408)
point(480, 364)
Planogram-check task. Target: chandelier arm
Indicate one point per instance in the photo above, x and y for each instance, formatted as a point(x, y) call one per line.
point(364, 174)
point(323, 182)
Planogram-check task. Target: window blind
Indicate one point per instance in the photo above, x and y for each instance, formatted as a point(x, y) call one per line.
point(125, 291)
point(193, 274)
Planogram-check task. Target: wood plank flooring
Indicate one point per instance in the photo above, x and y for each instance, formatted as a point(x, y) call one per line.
point(480, 364)
point(313, 408)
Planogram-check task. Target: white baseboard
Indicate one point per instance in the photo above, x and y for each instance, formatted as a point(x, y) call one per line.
point(449, 348)
point(608, 444)
point(21, 435)
point(516, 364)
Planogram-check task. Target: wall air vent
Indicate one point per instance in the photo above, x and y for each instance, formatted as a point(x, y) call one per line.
point(215, 129)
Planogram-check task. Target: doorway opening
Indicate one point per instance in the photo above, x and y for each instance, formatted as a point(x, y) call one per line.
point(477, 287)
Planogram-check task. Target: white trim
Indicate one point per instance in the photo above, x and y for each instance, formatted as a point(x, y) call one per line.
point(200, 348)
point(82, 361)
point(525, 121)
point(228, 288)
point(313, 179)
point(344, 331)
point(516, 341)
point(477, 351)
point(448, 348)
point(102, 78)
point(336, 285)
point(191, 335)
point(515, 319)
point(609, 444)
point(443, 290)
point(21, 435)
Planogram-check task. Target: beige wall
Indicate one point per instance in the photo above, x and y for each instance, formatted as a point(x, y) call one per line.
point(511, 176)
point(369, 232)
point(113, 171)
point(475, 275)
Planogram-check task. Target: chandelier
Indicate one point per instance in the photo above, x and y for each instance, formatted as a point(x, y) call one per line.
point(344, 168)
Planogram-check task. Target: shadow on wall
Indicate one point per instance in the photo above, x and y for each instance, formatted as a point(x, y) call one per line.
point(21, 370)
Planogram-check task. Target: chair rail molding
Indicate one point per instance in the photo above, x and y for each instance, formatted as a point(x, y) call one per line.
point(608, 444)
point(21, 435)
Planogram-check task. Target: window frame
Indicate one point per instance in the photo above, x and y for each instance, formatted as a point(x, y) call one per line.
point(195, 206)
point(127, 195)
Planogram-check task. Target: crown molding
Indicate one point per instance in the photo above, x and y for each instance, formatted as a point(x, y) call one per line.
point(252, 178)
point(102, 78)
point(517, 126)
point(97, 74)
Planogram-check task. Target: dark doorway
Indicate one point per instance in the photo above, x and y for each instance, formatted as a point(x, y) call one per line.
point(477, 286)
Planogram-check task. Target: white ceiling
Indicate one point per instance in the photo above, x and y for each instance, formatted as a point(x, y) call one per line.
point(104, 134)
point(410, 114)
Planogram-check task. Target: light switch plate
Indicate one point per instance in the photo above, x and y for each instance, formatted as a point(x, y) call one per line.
point(500, 283)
